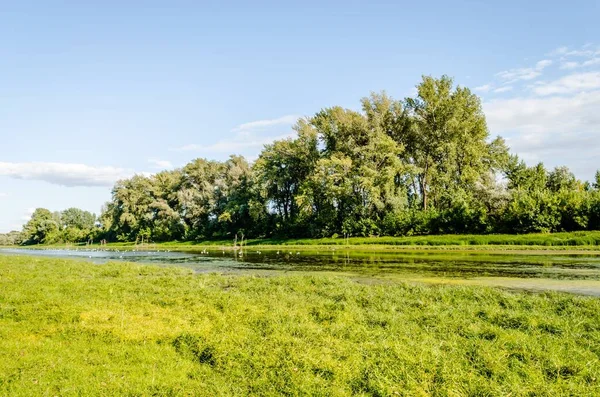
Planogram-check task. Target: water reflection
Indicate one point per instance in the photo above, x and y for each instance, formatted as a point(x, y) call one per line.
point(557, 269)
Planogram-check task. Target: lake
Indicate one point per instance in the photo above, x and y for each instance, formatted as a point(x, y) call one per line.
point(536, 270)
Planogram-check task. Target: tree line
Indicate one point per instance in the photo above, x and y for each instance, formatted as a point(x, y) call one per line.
point(46, 227)
point(422, 165)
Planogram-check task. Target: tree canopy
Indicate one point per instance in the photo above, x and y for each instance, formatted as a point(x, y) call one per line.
point(71, 225)
point(422, 165)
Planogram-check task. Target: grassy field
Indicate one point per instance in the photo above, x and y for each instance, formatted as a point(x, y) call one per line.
point(74, 328)
point(567, 240)
point(538, 239)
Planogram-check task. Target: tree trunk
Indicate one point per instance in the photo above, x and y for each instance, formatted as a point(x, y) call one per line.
point(424, 185)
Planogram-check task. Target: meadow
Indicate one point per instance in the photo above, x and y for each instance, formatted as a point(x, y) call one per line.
point(583, 241)
point(534, 239)
point(74, 328)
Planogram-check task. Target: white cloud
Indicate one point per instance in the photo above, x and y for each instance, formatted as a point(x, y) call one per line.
point(248, 138)
point(575, 65)
point(570, 84)
point(557, 121)
point(3, 194)
point(160, 164)
point(519, 74)
point(541, 65)
point(591, 62)
point(553, 129)
point(234, 145)
point(558, 51)
point(261, 124)
point(582, 53)
point(484, 88)
point(569, 65)
point(64, 174)
point(513, 75)
point(503, 89)
point(546, 115)
point(588, 50)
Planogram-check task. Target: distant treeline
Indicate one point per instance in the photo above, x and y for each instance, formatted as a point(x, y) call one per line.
point(10, 238)
point(71, 225)
point(422, 165)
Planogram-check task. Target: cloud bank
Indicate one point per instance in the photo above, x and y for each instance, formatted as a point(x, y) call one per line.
point(248, 138)
point(64, 174)
point(260, 124)
point(160, 164)
point(555, 121)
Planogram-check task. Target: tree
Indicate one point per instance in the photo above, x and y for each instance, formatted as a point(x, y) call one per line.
point(446, 139)
point(40, 228)
point(163, 218)
point(234, 195)
point(77, 218)
point(425, 164)
point(282, 168)
point(11, 238)
point(131, 200)
point(359, 176)
point(196, 198)
point(522, 177)
point(597, 180)
point(561, 179)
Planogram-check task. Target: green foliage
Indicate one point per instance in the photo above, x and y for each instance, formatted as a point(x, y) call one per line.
point(72, 328)
point(537, 211)
point(11, 238)
point(71, 225)
point(413, 228)
point(446, 140)
point(422, 165)
point(77, 219)
point(41, 228)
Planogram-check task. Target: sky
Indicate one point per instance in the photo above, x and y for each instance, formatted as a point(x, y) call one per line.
point(95, 91)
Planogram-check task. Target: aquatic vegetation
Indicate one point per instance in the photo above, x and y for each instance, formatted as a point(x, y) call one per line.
point(75, 328)
point(566, 240)
point(570, 239)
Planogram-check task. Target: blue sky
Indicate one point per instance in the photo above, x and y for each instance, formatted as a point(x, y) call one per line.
point(94, 91)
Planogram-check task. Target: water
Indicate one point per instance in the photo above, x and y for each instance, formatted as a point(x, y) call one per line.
point(548, 271)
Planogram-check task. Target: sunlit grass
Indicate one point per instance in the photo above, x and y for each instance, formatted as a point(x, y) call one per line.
point(74, 328)
point(537, 239)
point(589, 239)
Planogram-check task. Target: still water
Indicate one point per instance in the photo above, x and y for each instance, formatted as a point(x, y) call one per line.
point(550, 271)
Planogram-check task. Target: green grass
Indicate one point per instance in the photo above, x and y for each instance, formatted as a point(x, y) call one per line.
point(537, 239)
point(74, 328)
point(569, 239)
point(585, 240)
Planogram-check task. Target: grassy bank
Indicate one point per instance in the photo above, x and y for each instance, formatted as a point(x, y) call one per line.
point(588, 241)
point(73, 328)
point(538, 239)
point(580, 240)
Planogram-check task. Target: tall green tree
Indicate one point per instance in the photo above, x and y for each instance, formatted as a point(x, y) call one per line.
point(164, 219)
point(282, 168)
point(447, 139)
point(234, 198)
point(41, 228)
point(359, 176)
point(77, 218)
point(425, 164)
point(130, 208)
